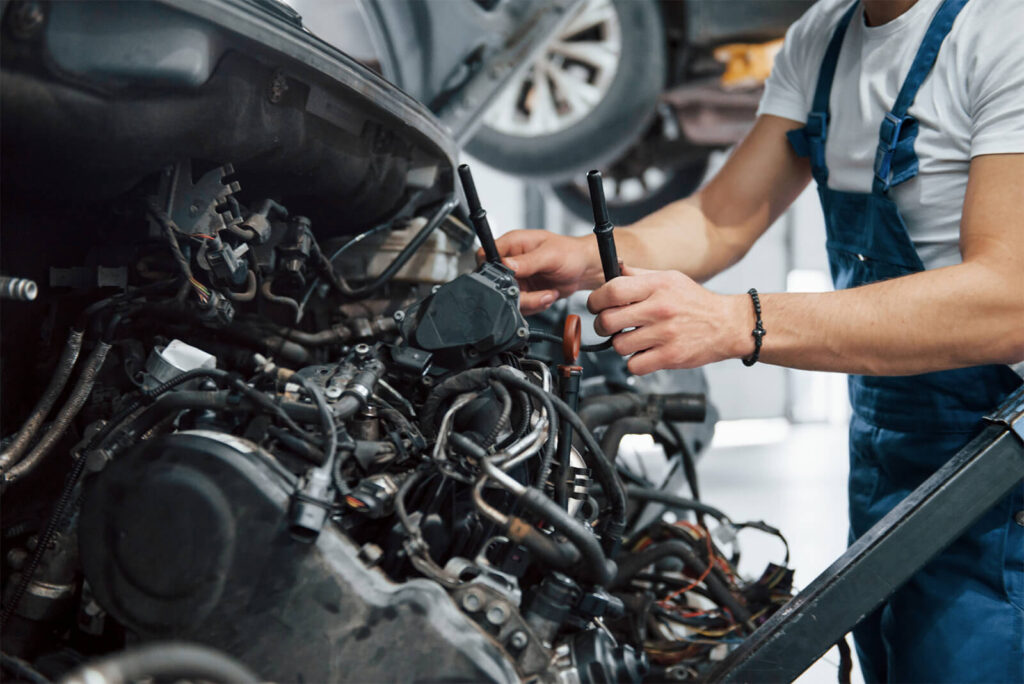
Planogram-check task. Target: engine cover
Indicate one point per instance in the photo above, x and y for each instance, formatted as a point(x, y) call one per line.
point(186, 536)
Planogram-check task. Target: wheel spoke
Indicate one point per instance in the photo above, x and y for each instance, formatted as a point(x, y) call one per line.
point(598, 55)
point(575, 91)
point(541, 102)
point(504, 111)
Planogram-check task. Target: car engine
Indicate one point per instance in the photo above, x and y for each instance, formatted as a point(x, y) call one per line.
point(323, 443)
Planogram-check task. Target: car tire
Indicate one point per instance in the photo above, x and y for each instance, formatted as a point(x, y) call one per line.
point(619, 118)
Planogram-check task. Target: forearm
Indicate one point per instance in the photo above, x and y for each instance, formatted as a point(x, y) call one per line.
point(959, 316)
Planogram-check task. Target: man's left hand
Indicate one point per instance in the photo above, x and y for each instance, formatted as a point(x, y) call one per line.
point(676, 322)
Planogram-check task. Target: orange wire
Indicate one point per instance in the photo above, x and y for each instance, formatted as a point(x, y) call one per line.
point(703, 575)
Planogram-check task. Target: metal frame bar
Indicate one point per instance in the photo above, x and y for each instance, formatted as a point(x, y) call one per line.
point(887, 555)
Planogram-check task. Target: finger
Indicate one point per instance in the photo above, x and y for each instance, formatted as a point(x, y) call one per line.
point(638, 340)
point(619, 292)
point(611, 321)
point(535, 302)
point(519, 241)
point(648, 361)
point(480, 256)
point(539, 261)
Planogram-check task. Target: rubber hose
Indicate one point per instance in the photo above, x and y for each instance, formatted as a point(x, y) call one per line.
point(28, 430)
point(677, 502)
point(596, 460)
point(720, 594)
point(83, 387)
point(170, 660)
point(612, 439)
point(604, 409)
point(506, 412)
point(595, 566)
point(549, 552)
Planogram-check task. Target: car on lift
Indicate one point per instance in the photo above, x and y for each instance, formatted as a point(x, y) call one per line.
point(643, 89)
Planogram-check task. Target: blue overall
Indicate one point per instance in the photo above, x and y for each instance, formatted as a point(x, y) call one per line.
point(961, 617)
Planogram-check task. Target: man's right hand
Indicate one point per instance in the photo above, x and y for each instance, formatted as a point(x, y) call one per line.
point(548, 266)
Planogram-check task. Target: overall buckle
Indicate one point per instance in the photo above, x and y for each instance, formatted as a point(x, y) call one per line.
point(888, 136)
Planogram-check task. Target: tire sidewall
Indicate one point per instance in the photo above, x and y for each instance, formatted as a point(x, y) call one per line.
point(611, 127)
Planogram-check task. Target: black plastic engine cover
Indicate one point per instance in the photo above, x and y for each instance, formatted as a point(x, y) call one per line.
point(468, 320)
point(186, 536)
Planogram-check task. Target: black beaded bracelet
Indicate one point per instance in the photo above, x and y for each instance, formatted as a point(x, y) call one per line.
point(758, 332)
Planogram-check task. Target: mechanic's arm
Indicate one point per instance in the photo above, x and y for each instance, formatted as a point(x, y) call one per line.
point(963, 315)
point(699, 236)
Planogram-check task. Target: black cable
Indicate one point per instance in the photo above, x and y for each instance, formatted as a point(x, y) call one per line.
point(631, 564)
point(676, 502)
point(346, 290)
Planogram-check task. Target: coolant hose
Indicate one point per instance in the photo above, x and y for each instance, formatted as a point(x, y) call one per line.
point(612, 439)
point(633, 563)
point(80, 392)
point(171, 660)
point(42, 408)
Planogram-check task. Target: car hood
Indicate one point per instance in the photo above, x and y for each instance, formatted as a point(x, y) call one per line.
point(99, 96)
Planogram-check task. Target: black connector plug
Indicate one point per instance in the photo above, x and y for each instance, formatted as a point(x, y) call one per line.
point(603, 227)
point(478, 217)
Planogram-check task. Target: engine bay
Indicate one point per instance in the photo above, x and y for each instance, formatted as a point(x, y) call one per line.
point(325, 443)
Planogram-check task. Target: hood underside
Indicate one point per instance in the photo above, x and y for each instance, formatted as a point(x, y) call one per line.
point(98, 96)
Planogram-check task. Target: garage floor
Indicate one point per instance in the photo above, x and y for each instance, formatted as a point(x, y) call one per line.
point(794, 478)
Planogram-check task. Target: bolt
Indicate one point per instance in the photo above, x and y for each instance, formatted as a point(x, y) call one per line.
point(522, 332)
point(26, 19)
point(332, 392)
point(362, 349)
point(471, 602)
point(399, 315)
point(518, 640)
point(497, 614)
point(278, 87)
point(512, 291)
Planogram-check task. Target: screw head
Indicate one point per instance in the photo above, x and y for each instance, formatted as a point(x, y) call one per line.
point(471, 602)
point(522, 332)
point(332, 392)
point(497, 614)
point(399, 315)
point(512, 291)
point(362, 349)
point(518, 640)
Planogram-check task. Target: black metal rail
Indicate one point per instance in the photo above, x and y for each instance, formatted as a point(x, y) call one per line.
point(885, 557)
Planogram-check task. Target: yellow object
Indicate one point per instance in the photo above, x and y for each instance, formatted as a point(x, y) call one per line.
point(747, 64)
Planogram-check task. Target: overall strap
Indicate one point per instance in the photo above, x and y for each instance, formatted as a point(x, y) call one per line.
point(809, 141)
point(895, 160)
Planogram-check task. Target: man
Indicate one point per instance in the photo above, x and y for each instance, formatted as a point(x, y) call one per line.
point(910, 118)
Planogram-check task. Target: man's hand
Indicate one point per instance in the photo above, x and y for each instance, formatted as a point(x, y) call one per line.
point(677, 323)
point(548, 266)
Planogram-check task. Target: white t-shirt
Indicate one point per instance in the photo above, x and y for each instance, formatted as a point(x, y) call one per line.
point(972, 103)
